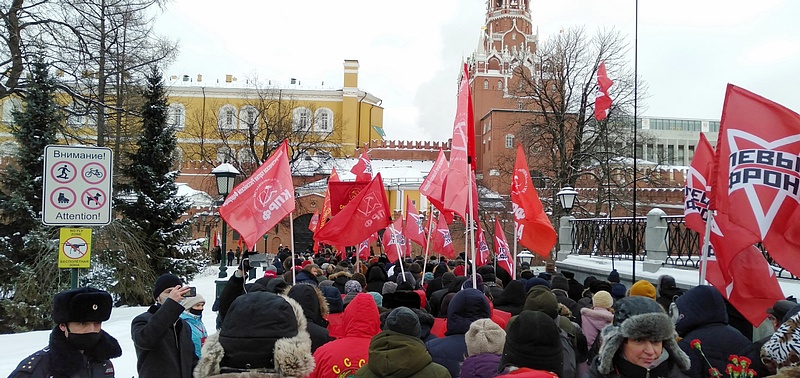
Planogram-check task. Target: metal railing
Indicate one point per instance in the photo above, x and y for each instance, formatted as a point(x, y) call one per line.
point(683, 246)
point(609, 237)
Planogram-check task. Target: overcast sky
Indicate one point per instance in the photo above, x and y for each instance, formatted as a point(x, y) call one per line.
point(410, 51)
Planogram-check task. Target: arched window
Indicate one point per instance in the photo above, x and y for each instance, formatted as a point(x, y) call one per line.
point(509, 140)
point(9, 106)
point(248, 118)
point(301, 120)
point(227, 117)
point(486, 84)
point(176, 116)
point(323, 120)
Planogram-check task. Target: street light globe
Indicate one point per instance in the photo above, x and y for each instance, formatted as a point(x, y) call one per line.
point(226, 178)
point(567, 198)
point(525, 257)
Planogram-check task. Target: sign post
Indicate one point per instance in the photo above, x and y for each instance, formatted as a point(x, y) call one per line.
point(76, 192)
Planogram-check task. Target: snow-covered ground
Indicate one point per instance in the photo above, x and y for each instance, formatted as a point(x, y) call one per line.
point(15, 347)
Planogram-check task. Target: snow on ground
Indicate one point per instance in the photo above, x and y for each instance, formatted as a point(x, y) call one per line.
point(15, 347)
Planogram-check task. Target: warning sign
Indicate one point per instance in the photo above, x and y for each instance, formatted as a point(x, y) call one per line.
point(77, 184)
point(75, 247)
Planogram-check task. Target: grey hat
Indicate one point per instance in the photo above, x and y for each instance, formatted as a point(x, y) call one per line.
point(403, 320)
point(352, 286)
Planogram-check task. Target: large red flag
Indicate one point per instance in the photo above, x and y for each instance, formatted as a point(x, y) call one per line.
point(365, 214)
point(263, 199)
point(501, 250)
point(394, 242)
point(533, 228)
point(456, 190)
point(433, 185)
point(342, 192)
point(363, 247)
point(483, 247)
point(442, 241)
point(363, 168)
point(602, 101)
point(314, 222)
point(326, 203)
point(759, 173)
point(414, 229)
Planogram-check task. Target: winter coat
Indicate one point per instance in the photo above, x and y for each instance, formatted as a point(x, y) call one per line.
point(573, 306)
point(163, 342)
point(782, 349)
point(426, 322)
point(483, 365)
point(512, 299)
point(376, 277)
point(199, 333)
point(703, 317)
point(435, 302)
point(312, 302)
point(393, 354)
point(624, 369)
point(342, 357)
point(450, 351)
point(494, 289)
point(61, 359)
point(340, 279)
point(528, 373)
point(575, 289)
point(594, 320)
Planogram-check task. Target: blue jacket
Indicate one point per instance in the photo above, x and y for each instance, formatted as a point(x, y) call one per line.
point(467, 306)
point(199, 332)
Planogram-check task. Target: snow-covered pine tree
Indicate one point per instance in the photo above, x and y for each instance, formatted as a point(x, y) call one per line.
point(148, 197)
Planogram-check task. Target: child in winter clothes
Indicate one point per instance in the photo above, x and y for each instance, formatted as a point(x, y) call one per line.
point(193, 315)
point(485, 340)
point(596, 318)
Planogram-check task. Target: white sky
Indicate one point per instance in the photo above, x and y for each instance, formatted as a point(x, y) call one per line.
point(410, 52)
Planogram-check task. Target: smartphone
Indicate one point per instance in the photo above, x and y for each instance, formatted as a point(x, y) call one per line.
point(192, 292)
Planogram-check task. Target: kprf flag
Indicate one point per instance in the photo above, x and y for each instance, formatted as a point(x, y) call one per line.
point(342, 192)
point(363, 168)
point(263, 199)
point(414, 229)
point(602, 101)
point(326, 203)
point(314, 222)
point(433, 185)
point(532, 226)
point(758, 174)
point(364, 215)
point(483, 248)
point(457, 187)
point(501, 250)
point(739, 273)
point(442, 241)
point(395, 242)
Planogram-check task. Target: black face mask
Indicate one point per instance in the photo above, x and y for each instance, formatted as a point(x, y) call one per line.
point(195, 312)
point(83, 341)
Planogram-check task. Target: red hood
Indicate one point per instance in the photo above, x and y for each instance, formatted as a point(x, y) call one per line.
point(361, 318)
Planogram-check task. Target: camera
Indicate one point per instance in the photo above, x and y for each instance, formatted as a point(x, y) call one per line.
point(192, 292)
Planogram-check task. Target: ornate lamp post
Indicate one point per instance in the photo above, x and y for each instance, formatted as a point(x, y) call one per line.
point(225, 175)
point(525, 257)
point(566, 196)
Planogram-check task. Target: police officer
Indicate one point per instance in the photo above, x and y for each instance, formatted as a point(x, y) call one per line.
point(78, 346)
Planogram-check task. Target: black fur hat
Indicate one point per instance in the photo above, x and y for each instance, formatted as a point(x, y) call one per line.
point(85, 304)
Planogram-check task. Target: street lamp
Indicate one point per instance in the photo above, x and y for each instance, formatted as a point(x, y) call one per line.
point(525, 257)
point(225, 175)
point(567, 198)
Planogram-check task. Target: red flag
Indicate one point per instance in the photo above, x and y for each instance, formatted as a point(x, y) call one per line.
point(759, 182)
point(602, 101)
point(414, 229)
point(363, 247)
point(442, 241)
point(365, 214)
point(734, 266)
point(262, 200)
point(533, 228)
point(326, 203)
point(501, 250)
point(433, 185)
point(342, 192)
point(483, 247)
point(395, 243)
point(314, 222)
point(456, 190)
point(363, 168)
point(217, 240)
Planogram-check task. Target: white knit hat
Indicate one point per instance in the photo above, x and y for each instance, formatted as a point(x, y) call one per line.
point(485, 336)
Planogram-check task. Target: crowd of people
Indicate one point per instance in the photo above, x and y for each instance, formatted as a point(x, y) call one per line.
point(320, 317)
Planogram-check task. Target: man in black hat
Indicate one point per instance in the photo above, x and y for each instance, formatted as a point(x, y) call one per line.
point(78, 346)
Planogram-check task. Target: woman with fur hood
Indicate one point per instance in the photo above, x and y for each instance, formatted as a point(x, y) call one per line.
point(640, 342)
point(263, 336)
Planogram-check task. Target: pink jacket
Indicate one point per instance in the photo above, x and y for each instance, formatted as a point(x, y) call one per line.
point(593, 321)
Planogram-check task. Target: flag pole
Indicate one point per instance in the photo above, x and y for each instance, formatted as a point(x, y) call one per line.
point(635, 126)
point(428, 238)
point(704, 250)
point(471, 230)
point(514, 261)
point(291, 237)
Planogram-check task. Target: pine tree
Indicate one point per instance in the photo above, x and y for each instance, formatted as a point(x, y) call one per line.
point(148, 197)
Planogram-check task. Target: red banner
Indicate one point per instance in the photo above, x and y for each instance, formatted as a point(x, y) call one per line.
point(533, 228)
point(363, 168)
point(602, 101)
point(433, 185)
point(326, 203)
point(342, 192)
point(414, 229)
point(263, 199)
point(483, 247)
point(442, 241)
point(364, 215)
point(501, 250)
point(462, 150)
point(395, 243)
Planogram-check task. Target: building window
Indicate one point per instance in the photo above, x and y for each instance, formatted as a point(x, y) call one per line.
point(76, 115)
point(9, 106)
point(499, 85)
point(519, 105)
point(248, 118)
point(301, 120)
point(227, 117)
point(509, 140)
point(176, 117)
point(486, 84)
point(323, 120)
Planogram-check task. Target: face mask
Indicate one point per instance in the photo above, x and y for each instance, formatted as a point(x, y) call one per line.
point(83, 341)
point(195, 312)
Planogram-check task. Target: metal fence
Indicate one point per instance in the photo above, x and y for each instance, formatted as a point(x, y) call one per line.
point(609, 237)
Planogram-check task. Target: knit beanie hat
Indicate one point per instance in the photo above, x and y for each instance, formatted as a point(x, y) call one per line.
point(484, 336)
point(533, 341)
point(85, 304)
point(643, 288)
point(468, 283)
point(602, 299)
point(447, 279)
point(613, 276)
point(639, 318)
point(389, 287)
point(560, 283)
point(541, 299)
point(403, 320)
point(377, 297)
point(598, 285)
point(164, 282)
point(427, 278)
point(189, 302)
point(352, 286)
point(536, 281)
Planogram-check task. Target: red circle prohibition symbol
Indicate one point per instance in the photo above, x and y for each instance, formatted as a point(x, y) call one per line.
point(93, 198)
point(63, 172)
point(61, 201)
point(94, 173)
